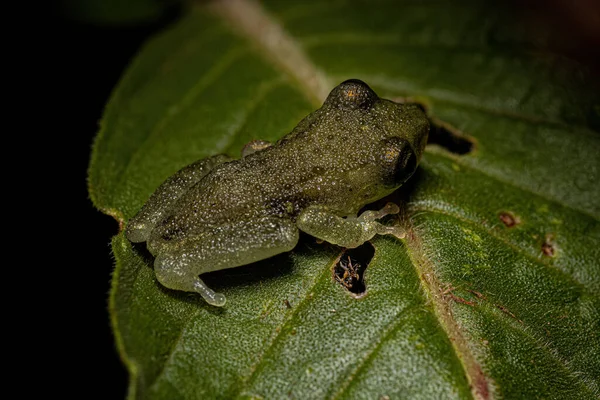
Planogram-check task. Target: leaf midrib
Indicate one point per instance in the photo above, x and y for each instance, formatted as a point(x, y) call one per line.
point(470, 365)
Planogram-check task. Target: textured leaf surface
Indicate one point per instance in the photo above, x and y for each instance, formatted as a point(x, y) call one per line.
point(494, 293)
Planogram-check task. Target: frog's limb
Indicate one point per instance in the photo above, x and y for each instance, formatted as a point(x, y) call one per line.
point(163, 198)
point(254, 146)
point(226, 247)
point(347, 232)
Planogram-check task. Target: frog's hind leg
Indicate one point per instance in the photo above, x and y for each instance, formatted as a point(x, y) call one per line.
point(226, 247)
point(347, 232)
point(165, 196)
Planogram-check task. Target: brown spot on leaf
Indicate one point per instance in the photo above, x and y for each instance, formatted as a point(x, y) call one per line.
point(476, 293)
point(548, 247)
point(509, 219)
point(448, 292)
point(507, 311)
point(461, 300)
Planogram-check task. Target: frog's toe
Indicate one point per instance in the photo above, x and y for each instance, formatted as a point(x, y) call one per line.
point(396, 231)
point(219, 300)
point(213, 298)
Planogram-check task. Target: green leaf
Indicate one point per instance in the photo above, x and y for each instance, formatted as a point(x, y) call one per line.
point(495, 293)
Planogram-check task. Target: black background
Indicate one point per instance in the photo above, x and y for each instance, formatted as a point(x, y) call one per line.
point(85, 63)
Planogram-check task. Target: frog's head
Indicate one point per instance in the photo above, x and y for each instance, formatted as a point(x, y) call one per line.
point(399, 131)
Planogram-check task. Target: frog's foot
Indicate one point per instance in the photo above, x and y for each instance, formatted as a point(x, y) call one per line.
point(347, 232)
point(371, 215)
point(172, 272)
point(228, 246)
point(389, 209)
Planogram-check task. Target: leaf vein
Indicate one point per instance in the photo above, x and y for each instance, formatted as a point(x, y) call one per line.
point(252, 22)
point(508, 244)
point(459, 161)
point(480, 383)
point(394, 324)
point(503, 319)
point(466, 101)
point(278, 334)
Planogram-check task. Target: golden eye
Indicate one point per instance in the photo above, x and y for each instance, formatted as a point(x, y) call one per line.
point(390, 155)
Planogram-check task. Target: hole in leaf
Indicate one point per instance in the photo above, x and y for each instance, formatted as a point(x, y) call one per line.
point(449, 138)
point(350, 269)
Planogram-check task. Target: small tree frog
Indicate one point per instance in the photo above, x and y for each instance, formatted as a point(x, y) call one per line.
point(221, 213)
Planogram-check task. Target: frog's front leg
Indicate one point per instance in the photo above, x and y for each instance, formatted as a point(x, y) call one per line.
point(228, 246)
point(163, 198)
point(347, 232)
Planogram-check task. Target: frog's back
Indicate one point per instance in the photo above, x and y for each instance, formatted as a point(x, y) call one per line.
point(279, 180)
point(333, 158)
point(251, 187)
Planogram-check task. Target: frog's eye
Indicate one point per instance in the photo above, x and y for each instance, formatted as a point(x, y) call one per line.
point(399, 161)
point(352, 94)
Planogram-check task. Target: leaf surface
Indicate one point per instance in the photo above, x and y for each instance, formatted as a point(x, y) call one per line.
point(495, 291)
